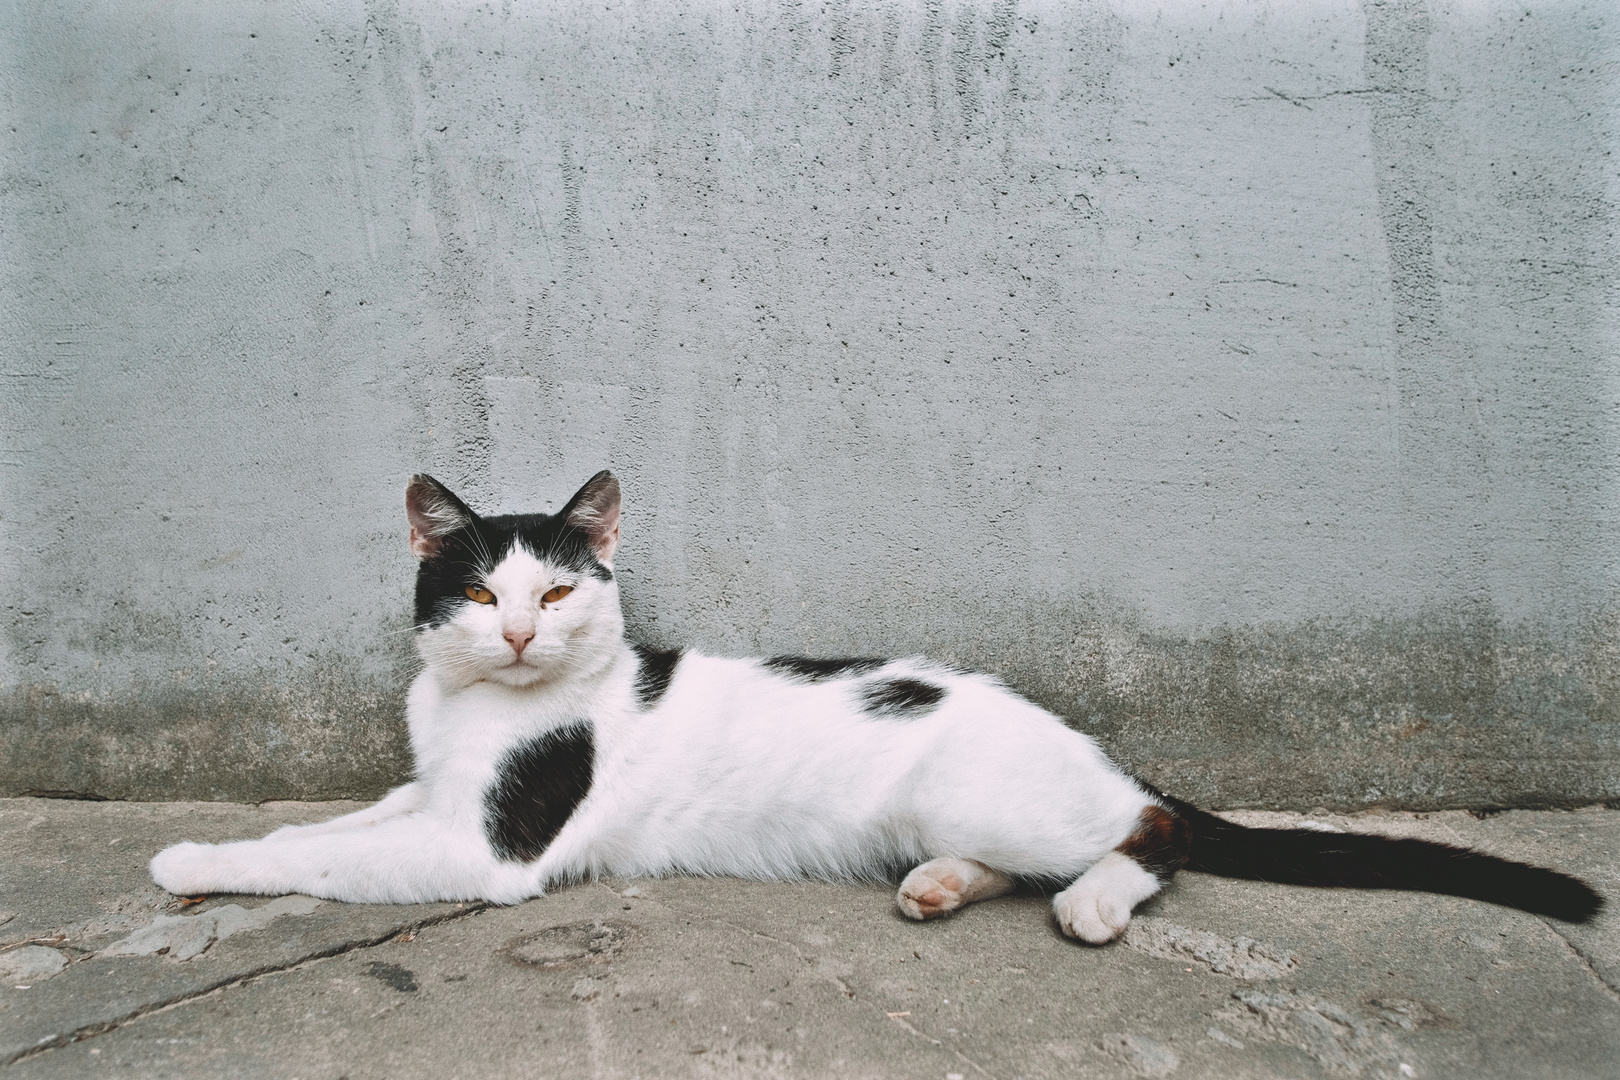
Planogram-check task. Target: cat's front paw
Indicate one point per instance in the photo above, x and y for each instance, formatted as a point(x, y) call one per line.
point(188, 869)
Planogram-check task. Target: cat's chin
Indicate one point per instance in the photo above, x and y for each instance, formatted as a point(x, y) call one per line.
point(516, 674)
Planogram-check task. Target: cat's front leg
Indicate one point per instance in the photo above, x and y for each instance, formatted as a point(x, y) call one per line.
point(402, 800)
point(940, 886)
point(190, 869)
point(405, 860)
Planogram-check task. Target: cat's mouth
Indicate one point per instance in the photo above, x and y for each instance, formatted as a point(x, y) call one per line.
point(525, 668)
point(516, 674)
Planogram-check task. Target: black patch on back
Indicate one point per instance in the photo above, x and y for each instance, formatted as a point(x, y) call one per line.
point(537, 785)
point(810, 669)
point(903, 699)
point(653, 675)
point(467, 555)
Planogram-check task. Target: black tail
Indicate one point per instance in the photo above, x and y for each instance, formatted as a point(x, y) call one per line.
point(1358, 861)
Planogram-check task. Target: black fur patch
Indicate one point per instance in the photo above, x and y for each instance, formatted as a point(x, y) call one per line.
point(810, 669)
point(537, 786)
point(904, 699)
point(654, 674)
point(467, 555)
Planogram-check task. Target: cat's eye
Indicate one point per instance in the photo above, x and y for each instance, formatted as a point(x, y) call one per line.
point(479, 594)
point(556, 594)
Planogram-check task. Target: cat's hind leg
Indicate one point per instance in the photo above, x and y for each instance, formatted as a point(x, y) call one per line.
point(1097, 907)
point(940, 886)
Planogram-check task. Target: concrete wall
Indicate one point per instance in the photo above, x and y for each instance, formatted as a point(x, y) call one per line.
point(1238, 380)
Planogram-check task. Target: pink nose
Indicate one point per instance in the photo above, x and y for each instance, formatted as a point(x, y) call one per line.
point(518, 639)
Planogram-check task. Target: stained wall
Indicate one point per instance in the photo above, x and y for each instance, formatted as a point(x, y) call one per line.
point(1238, 380)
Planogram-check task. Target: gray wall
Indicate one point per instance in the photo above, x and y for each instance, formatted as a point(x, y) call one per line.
point(1237, 380)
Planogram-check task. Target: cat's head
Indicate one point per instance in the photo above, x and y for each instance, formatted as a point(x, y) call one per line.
point(518, 599)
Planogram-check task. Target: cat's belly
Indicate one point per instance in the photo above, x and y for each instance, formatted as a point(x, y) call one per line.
point(763, 822)
point(831, 793)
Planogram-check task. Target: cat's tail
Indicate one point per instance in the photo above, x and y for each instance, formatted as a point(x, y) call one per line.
point(1359, 861)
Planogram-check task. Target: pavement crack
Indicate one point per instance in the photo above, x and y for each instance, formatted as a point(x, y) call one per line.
point(101, 1027)
point(900, 1018)
point(1585, 961)
point(903, 1022)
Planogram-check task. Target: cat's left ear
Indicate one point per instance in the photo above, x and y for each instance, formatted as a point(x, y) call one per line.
point(594, 510)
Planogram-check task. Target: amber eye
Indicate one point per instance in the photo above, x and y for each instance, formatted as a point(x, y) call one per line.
point(480, 594)
point(556, 594)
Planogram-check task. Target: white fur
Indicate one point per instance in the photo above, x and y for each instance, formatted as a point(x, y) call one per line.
point(1097, 907)
point(737, 770)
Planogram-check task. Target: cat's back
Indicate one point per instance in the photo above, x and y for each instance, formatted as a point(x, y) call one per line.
point(857, 721)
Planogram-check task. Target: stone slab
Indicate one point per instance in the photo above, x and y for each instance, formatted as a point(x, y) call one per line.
point(724, 978)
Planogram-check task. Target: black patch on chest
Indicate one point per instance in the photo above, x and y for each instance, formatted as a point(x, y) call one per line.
point(811, 669)
point(654, 674)
point(902, 699)
point(537, 786)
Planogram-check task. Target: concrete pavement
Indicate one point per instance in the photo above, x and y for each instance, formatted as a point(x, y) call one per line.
point(104, 975)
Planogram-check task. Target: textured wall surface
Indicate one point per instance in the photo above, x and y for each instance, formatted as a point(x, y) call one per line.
point(1239, 380)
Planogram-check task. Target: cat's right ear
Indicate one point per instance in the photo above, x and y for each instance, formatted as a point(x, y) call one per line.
point(434, 513)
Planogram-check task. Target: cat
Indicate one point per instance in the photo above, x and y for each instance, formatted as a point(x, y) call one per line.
point(548, 749)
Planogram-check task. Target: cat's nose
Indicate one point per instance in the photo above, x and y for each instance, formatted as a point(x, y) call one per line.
point(518, 639)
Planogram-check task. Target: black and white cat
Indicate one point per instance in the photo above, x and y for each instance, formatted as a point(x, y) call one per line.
point(549, 749)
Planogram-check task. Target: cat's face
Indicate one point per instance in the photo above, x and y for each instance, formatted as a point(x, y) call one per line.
point(518, 599)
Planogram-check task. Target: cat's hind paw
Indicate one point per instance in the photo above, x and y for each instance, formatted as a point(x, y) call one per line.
point(1097, 907)
point(940, 886)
